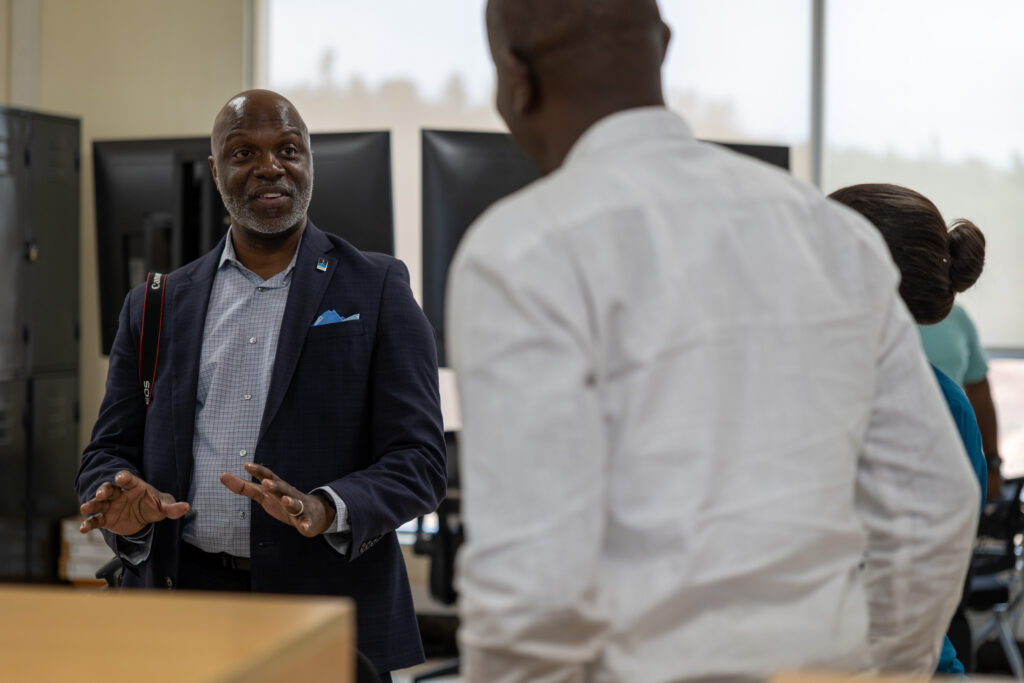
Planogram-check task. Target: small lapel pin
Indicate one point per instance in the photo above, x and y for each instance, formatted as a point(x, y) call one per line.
point(321, 264)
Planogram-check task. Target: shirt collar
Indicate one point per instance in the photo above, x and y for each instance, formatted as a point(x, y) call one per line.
point(228, 255)
point(627, 127)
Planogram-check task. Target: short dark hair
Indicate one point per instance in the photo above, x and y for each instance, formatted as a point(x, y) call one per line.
point(935, 263)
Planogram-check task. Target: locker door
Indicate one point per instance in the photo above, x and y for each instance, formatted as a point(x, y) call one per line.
point(51, 297)
point(55, 457)
point(52, 465)
point(12, 481)
point(12, 448)
point(13, 137)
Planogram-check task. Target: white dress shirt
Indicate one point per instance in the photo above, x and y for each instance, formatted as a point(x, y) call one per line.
point(700, 438)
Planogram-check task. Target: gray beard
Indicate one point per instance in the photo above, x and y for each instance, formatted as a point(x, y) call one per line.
point(241, 212)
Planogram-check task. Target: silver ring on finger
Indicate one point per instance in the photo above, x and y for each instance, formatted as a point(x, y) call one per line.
point(302, 507)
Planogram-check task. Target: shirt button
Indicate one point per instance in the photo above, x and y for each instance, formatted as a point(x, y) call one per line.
point(260, 289)
point(241, 515)
point(252, 340)
point(242, 453)
point(247, 397)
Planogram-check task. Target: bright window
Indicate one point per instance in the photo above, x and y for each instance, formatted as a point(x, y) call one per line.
point(739, 71)
point(930, 94)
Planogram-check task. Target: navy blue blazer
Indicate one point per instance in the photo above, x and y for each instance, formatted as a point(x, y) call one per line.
point(353, 405)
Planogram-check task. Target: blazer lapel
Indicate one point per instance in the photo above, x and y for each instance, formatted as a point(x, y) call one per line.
point(309, 284)
point(187, 320)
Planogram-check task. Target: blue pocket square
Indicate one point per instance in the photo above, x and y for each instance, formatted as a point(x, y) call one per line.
point(331, 316)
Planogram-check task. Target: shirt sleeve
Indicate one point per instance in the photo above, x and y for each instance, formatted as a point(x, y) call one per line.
point(134, 549)
point(977, 366)
point(527, 582)
point(918, 501)
point(339, 535)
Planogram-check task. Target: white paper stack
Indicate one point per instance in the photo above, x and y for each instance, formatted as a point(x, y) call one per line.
point(81, 554)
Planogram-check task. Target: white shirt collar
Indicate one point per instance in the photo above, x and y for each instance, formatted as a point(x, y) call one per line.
point(629, 125)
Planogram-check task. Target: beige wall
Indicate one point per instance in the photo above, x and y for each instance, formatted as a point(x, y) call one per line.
point(5, 51)
point(130, 68)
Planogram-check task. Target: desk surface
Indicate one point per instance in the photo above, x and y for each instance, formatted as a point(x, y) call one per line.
point(61, 634)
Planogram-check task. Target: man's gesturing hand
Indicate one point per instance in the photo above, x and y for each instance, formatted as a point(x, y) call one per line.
point(126, 505)
point(310, 514)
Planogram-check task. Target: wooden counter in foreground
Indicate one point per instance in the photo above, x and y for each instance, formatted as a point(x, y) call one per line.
point(61, 634)
point(824, 677)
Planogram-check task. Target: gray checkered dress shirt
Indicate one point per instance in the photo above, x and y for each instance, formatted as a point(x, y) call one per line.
point(243, 322)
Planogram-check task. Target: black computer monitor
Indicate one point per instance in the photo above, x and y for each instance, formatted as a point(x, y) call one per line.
point(157, 207)
point(463, 174)
point(776, 155)
point(143, 221)
point(352, 189)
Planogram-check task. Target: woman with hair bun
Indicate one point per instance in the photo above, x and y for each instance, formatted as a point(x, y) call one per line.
point(935, 264)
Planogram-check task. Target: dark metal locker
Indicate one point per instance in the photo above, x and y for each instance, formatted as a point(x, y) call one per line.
point(12, 448)
point(13, 566)
point(55, 455)
point(13, 138)
point(39, 226)
point(30, 551)
point(51, 238)
point(13, 482)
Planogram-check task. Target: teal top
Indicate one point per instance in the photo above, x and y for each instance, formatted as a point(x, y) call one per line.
point(953, 347)
point(967, 424)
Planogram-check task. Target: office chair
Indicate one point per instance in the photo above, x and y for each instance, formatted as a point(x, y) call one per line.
point(112, 572)
point(441, 546)
point(366, 672)
point(996, 585)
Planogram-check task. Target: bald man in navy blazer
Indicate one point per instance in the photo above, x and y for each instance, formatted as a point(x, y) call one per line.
point(206, 489)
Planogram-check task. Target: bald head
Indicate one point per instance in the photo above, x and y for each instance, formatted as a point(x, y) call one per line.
point(564, 65)
point(540, 27)
point(255, 108)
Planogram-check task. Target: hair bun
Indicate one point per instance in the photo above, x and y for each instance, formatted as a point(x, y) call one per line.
point(966, 254)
